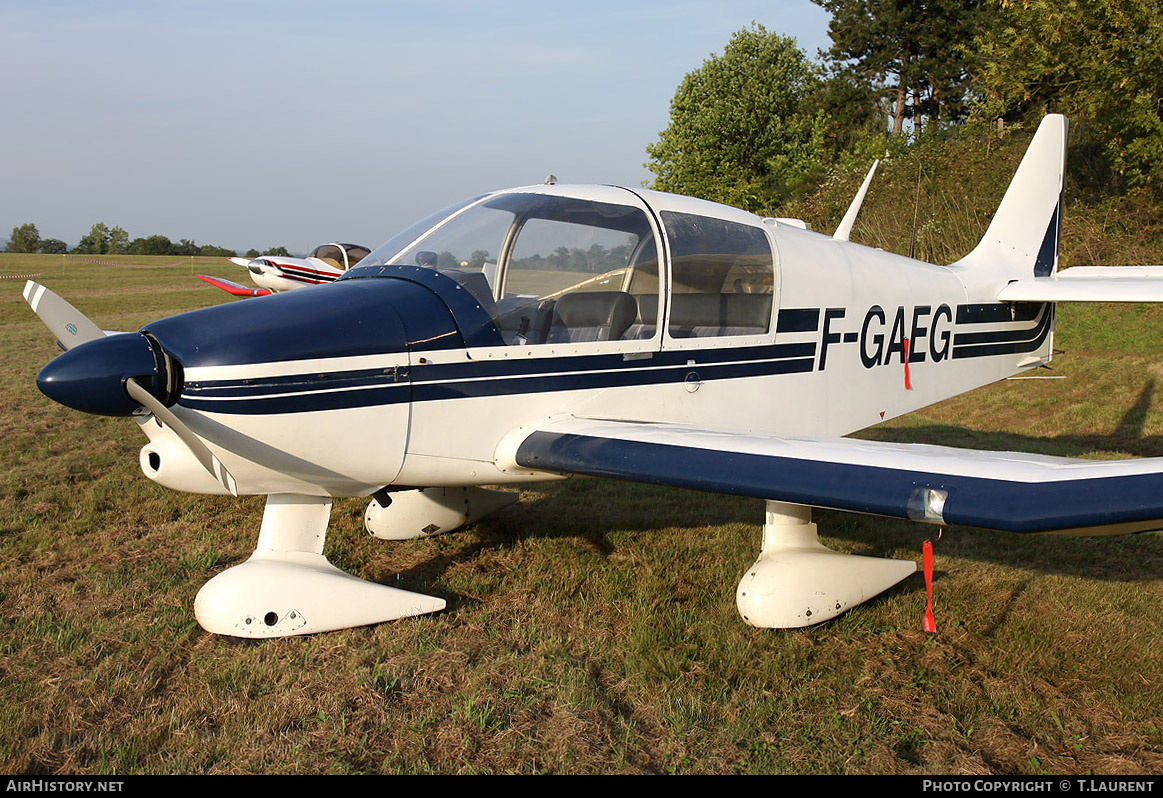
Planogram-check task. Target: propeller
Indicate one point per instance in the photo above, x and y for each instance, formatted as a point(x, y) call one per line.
point(200, 451)
point(69, 325)
point(114, 375)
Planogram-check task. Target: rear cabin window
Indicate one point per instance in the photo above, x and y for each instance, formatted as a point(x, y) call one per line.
point(722, 277)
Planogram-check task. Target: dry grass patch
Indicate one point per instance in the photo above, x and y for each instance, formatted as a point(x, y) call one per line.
point(590, 629)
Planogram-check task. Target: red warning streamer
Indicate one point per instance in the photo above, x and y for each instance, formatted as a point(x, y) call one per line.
point(927, 559)
point(908, 385)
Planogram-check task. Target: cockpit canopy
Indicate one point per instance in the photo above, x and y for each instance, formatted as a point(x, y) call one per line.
point(342, 256)
point(551, 266)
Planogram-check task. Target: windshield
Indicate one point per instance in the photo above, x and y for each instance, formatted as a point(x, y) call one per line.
point(384, 252)
point(547, 268)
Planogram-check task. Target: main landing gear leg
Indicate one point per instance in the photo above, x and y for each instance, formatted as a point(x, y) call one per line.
point(288, 587)
point(797, 581)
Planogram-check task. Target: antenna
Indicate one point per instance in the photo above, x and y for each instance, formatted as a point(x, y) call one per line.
point(916, 205)
point(845, 228)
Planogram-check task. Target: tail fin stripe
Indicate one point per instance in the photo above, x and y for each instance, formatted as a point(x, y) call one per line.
point(1047, 261)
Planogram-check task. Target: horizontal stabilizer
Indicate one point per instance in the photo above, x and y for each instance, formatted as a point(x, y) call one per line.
point(937, 484)
point(1090, 284)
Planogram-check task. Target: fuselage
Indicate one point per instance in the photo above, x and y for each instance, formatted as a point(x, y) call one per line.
point(279, 274)
point(420, 366)
point(325, 264)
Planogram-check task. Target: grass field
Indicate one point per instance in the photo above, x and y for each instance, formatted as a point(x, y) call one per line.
point(590, 628)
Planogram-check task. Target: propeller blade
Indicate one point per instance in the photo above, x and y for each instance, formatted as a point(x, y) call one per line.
point(69, 325)
point(204, 456)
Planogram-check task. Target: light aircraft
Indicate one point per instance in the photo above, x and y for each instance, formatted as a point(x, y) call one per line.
point(614, 332)
point(274, 273)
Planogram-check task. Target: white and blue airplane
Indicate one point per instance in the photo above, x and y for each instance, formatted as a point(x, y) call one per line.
point(540, 332)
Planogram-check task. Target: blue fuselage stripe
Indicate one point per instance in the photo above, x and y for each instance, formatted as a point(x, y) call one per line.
point(425, 382)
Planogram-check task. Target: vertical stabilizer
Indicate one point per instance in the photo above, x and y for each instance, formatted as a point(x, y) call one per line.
point(1022, 239)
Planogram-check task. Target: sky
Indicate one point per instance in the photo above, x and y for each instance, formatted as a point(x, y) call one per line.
point(256, 123)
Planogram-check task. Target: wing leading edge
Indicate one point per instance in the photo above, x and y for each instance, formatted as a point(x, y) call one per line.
point(231, 287)
point(938, 484)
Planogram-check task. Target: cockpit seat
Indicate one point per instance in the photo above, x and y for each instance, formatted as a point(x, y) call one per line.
point(522, 321)
point(709, 315)
point(646, 320)
point(591, 316)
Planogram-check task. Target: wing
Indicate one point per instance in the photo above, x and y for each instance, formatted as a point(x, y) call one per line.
point(232, 287)
point(937, 484)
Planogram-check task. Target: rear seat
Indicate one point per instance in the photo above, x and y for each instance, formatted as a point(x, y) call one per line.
point(708, 315)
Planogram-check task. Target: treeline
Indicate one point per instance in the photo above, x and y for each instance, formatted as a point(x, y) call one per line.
point(105, 240)
point(760, 124)
point(595, 260)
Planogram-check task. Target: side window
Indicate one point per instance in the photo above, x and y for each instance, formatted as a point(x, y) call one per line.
point(574, 274)
point(722, 277)
point(552, 257)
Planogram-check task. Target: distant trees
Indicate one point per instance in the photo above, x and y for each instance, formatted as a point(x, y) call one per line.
point(95, 242)
point(24, 238)
point(150, 245)
point(105, 240)
point(117, 241)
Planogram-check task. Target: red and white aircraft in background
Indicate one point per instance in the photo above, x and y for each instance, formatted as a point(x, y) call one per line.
point(275, 273)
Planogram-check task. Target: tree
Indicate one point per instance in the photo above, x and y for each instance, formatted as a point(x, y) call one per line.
point(477, 259)
point(24, 238)
point(742, 127)
point(151, 245)
point(96, 242)
point(53, 246)
point(1099, 62)
point(185, 247)
point(913, 51)
point(117, 242)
